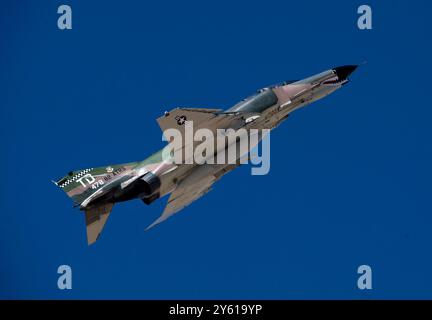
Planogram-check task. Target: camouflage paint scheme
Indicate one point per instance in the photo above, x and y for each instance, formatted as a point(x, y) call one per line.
point(96, 190)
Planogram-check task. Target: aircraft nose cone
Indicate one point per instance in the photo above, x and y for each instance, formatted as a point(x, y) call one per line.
point(344, 71)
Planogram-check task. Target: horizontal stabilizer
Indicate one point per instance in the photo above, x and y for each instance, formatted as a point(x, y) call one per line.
point(96, 218)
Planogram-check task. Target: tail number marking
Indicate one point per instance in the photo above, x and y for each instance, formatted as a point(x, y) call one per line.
point(88, 180)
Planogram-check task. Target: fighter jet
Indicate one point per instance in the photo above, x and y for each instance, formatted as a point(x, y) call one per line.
point(96, 190)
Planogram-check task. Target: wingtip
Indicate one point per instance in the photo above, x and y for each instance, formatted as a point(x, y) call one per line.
point(155, 223)
point(151, 226)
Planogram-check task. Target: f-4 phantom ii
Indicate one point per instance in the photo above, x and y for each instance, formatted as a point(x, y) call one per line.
point(96, 190)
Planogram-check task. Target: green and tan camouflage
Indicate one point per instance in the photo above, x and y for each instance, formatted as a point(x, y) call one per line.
point(96, 190)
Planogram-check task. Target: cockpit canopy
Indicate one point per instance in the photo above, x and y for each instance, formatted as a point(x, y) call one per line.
point(258, 102)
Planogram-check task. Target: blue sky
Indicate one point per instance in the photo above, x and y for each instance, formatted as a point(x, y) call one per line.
point(350, 178)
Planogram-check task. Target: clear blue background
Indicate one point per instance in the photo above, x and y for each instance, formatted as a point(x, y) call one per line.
point(350, 179)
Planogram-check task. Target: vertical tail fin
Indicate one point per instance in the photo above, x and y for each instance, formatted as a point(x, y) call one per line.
point(78, 184)
point(81, 184)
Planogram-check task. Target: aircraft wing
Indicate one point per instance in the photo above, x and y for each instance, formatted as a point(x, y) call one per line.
point(211, 119)
point(176, 118)
point(183, 196)
point(192, 188)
